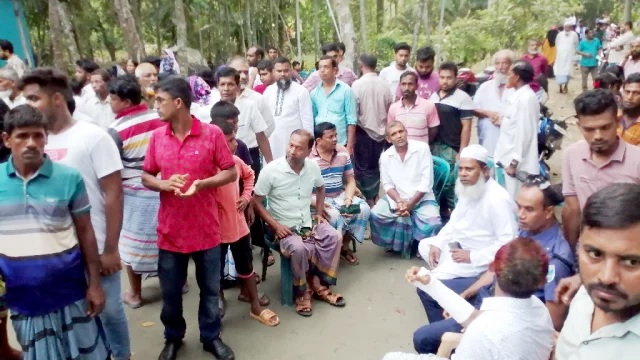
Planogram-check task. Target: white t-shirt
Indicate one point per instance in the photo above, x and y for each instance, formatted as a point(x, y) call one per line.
point(92, 152)
point(391, 75)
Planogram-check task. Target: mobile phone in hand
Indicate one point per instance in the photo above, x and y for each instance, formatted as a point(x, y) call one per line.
point(454, 245)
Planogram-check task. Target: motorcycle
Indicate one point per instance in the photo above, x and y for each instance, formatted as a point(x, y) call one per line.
point(550, 135)
point(467, 81)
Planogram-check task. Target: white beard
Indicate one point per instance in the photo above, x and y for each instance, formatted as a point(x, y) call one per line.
point(500, 78)
point(471, 192)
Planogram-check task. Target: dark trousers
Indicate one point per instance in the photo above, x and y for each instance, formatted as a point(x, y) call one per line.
point(257, 228)
point(172, 272)
point(426, 340)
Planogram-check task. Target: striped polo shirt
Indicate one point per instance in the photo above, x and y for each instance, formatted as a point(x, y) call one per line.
point(131, 131)
point(40, 259)
point(335, 171)
point(417, 119)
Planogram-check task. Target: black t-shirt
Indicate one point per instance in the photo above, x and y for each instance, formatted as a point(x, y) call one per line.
point(453, 108)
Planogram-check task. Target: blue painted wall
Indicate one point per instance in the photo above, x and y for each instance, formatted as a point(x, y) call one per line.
point(10, 29)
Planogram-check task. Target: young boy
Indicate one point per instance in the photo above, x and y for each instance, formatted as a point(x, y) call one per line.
point(235, 233)
point(47, 244)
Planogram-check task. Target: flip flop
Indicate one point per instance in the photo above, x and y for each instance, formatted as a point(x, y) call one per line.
point(129, 303)
point(265, 316)
point(263, 299)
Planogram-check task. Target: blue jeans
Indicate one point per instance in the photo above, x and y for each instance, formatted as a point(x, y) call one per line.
point(172, 272)
point(433, 309)
point(114, 320)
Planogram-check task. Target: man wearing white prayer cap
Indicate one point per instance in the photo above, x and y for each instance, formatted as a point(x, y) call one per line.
point(484, 219)
point(566, 45)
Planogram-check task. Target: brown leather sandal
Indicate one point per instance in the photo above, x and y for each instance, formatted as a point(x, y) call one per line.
point(324, 294)
point(303, 304)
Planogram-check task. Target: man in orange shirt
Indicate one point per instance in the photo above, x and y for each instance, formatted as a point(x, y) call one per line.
point(629, 128)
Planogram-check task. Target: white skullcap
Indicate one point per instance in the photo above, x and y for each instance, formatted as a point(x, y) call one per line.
point(476, 152)
point(568, 22)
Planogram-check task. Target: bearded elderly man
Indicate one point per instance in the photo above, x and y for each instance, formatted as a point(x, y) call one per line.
point(491, 100)
point(409, 210)
point(484, 219)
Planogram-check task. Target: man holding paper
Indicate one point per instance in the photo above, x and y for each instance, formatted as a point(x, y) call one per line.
point(484, 219)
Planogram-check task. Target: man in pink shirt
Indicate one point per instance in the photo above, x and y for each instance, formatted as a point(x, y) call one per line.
point(193, 159)
point(418, 115)
point(428, 80)
point(631, 63)
point(600, 159)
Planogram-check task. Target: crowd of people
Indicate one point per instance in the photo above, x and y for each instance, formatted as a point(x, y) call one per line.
point(106, 171)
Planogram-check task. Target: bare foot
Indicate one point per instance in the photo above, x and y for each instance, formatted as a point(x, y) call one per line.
point(133, 301)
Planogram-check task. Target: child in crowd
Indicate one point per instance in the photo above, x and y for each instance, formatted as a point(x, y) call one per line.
point(233, 224)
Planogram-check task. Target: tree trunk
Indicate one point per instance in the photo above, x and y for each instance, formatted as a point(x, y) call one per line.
point(427, 22)
point(627, 10)
point(316, 27)
point(347, 30)
point(298, 29)
point(180, 21)
point(133, 40)
point(416, 27)
point(57, 42)
point(247, 23)
point(363, 26)
point(136, 11)
point(379, 14)
point(440, 31)
point(67, 30)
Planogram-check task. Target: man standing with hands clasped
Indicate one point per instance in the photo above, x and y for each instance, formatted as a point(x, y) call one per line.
point(193, 159)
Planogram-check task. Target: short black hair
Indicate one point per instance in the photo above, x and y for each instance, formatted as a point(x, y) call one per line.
point(629, 24)
point(632, 79)
point(401, 46)
point(76, 87)
point(126, 87)
point(607, 80)
point(616, 70)
point(293, 64)
point(334, 62)
point(304, 132)
point(613, 207)
point(228, 71)
point(6, 45)
point(550, 196)
point(284, 60)
point(104, 74)
point(329, 47)
point(4, 108)
point(134, 61)
point(318, 130)
point(265, 64)
point(595, 102)
point(208, 76)
point(449, 66)
point(177, 87)
point(259, 51)
point(24, 116)
point(49, 79)
point(269, 48)
point(409, 73)
point(153, 60)
point(223, 111)
point(523, 70)
point(369, 60)
point(425, 54)
point(341, 47)
point(89, 66)
point(227, 128)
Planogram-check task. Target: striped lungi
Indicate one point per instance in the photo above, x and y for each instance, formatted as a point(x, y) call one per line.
point(139, 235)
point(355, 224)
point(397, 233)
point(61, 335)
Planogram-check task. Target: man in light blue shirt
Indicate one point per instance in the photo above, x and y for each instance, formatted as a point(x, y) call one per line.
point(333, 101)
point(589, 48)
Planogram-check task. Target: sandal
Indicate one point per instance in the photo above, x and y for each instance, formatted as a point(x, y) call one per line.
point(323, 293)
point(263, 299)
point(303, 305)
point(349, 257)
point(270, 259)
point(126, 298)
point(267, 317)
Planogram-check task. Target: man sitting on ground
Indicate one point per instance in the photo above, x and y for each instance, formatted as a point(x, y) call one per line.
point(536, 206)
point(409, 210)
point(346, 212)
point(483, 220)
point(513, 324)
point(312, 246)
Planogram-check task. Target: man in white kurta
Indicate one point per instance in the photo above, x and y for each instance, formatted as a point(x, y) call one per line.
point(290, 105)
point(566, 45)
point(517, 147)
point(484, 219)
point(491, 100)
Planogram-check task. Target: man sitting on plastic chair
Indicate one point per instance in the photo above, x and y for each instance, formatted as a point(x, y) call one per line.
point(484, 219)
point(313, 247)
point(344, 211)
point(409, 210)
